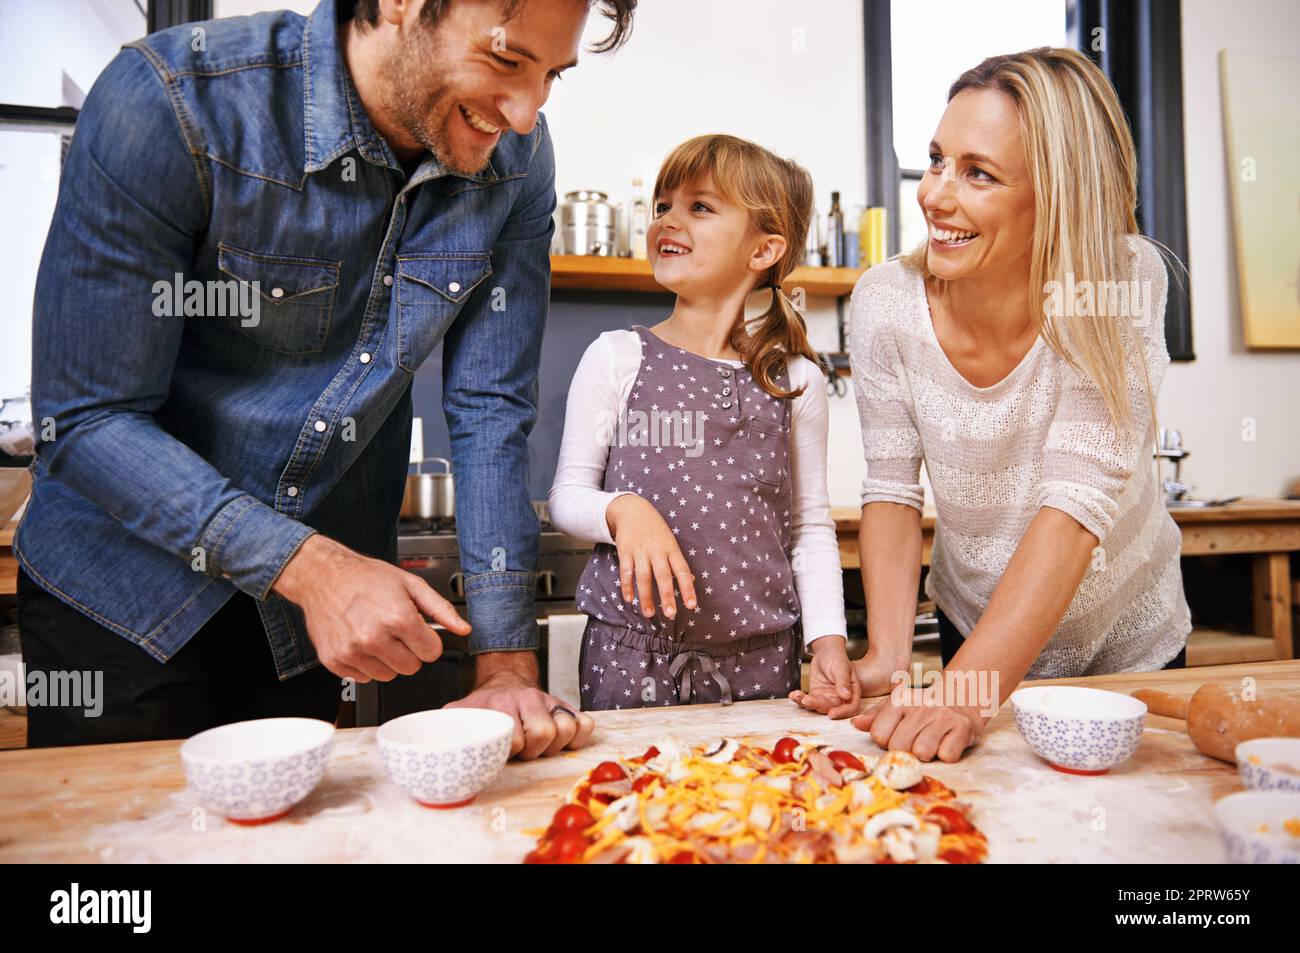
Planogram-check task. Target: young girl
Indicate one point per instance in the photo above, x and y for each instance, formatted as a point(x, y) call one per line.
point(694, 456)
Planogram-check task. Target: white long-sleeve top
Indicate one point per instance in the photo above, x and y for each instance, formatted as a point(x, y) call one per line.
point(599, 393)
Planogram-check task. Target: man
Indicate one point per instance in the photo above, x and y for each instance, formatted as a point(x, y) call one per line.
point(264, 226)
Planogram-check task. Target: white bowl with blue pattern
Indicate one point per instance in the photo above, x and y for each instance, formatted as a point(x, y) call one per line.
point(1260, 827)
point(1269, 764)
point(1079, 730)
point(443, 758)
point(252, 772)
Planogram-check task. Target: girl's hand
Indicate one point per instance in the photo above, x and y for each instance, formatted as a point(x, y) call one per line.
point(908, 720)
point(833, 687)
point(648, 554)
point(878, 672)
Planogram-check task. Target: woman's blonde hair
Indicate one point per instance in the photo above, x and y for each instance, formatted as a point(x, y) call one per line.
point(779, 196)
point(1082, 163)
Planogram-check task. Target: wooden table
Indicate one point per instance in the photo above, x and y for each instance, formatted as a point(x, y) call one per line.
point(1266, 530)
point(129, 802)
point(8, 561)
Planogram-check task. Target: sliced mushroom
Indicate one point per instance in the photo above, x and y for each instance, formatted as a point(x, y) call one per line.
point(721, 750)
point(898, 843)
point(885, 820)
point(672, 750)
point(898, 770)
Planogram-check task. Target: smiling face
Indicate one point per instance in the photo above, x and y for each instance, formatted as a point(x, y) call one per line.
point(700, 242)
point(455, 88)
point(977, 195)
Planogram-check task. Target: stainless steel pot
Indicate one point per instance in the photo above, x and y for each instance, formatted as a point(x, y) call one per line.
point(587, 223)
point(429, 496)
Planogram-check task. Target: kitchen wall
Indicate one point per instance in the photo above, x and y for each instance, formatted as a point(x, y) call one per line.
point(1209, 398)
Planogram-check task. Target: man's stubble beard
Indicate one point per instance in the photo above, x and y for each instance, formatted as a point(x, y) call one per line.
point(425, 118)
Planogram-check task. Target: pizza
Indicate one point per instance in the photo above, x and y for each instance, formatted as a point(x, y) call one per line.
point(734, 802)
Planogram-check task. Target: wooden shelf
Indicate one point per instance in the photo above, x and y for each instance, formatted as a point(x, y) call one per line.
point(596, 273)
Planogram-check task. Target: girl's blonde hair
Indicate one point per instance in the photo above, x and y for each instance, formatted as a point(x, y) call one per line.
point(779, 196)
point(1081, 160)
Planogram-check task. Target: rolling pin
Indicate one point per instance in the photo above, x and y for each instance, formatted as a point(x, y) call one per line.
point(1218, 719)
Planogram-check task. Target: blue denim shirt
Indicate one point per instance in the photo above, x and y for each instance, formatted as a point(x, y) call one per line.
point(192, 454)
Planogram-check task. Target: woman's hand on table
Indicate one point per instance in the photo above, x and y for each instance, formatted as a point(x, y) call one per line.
point(915, 720)
point(833, 687)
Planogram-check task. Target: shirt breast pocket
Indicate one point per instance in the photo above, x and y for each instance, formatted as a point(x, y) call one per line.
point(768, 451)
point(294, 300)
point(431, 289)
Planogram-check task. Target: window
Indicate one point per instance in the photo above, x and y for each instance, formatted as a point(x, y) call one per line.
point(46, 77)
point(932, 44)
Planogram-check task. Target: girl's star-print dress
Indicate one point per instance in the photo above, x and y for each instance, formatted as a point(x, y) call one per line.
point(709, 448)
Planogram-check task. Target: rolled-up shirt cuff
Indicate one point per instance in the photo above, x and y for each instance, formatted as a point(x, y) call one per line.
point(1090, 508)
point(500, 609)
point(249, 543)
point(880, 491)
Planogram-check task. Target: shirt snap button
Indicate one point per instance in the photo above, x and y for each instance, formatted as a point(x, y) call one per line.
point(277, 292)
point(292, 491)
point(726, 403)
point(454, 287)
point(388, 281)
point(726, 392)
point(365, 357)
point(724, 372)
point(320, 426)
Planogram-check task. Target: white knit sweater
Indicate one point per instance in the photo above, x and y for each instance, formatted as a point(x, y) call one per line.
point(1041, 436)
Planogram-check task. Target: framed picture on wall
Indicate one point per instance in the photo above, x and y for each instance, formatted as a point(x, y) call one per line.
point(1263, 141)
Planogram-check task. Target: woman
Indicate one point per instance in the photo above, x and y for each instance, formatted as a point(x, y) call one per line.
point(1018, 352)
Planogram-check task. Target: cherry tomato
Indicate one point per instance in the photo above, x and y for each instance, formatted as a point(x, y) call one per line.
point(783, 753)
point(682, 857)
point(572, 817)
point(543, 854)
point(643, 782)
point(843, 760)
point(569, 846)
point(607, 771)
point(950, 820)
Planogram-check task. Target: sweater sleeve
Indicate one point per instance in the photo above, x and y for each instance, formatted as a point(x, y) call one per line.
point(814, 549)
point(891, 444)
point(1087, 460)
